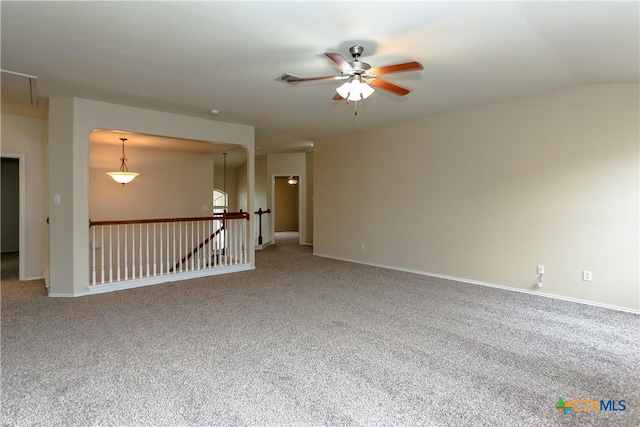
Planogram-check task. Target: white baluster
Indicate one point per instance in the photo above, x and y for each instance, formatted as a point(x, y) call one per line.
point(168, 251)
point(110, 256)
point(243, 229)
point(210, 242)
point(216, 239)
point(118, 253)
point(154, 248)
point(198, 244)
point(141, 270)
point(126, 263)
point(226, 243)
point(147, 261)
point(161, 251)
point(230, 245)
point(133, 251)
point(192, 254)
point(102, 254)
point(93, 250)
point(235, 241)
point(174, 248)
point(240, 241)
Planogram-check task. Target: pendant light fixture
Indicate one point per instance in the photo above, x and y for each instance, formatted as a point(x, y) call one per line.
point(123, 176)
point(292, 180)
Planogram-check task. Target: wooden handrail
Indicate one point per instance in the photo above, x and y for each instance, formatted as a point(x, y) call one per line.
point(217, 216)
point(196, 249)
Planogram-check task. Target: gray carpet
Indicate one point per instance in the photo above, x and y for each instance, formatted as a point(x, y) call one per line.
point(304, 340)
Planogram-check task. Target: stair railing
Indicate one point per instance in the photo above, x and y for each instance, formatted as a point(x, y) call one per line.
point(137, 249)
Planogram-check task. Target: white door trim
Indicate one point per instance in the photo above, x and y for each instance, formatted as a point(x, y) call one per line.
point(301, 224)
point(22, 205)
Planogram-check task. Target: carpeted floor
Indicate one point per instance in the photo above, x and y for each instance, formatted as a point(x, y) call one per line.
point(304, 340)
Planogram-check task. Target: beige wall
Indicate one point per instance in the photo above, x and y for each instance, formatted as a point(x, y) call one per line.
point(236, 201)
point(260, 195)
point(488, 193)
point(170, 185)
point(309, 188)
point(24, 132)
point(240, 187)
point(261, 184)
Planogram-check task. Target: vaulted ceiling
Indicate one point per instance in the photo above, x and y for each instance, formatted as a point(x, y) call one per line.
point(192, 57)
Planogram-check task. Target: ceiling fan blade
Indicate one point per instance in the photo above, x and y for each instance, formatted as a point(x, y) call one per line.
point(337, 97)
point(339, 60)
point(290, 78)
point(397, 68)
point(382, 84)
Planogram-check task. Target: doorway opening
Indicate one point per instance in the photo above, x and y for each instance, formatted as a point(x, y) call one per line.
point(286, 212)
point(12, 220)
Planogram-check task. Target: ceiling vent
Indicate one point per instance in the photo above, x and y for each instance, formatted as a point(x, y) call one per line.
point(19, 88)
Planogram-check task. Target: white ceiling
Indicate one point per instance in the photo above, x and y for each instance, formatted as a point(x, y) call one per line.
point(191, 57)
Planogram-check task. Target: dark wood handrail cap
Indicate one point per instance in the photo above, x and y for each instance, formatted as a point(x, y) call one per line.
point(220, 216)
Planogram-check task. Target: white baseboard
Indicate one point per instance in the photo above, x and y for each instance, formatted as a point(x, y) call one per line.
point(264, 245)
point(149, 281)
point(55, 295)
point(491, 285)
point(27, 279)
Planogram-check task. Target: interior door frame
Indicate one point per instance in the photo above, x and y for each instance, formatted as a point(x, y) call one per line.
point(22, 204)
point(273, 204)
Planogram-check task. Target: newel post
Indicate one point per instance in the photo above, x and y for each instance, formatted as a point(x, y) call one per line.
point(259, 213)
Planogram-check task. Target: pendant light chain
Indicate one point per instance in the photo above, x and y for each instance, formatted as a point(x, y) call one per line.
point(123, 159)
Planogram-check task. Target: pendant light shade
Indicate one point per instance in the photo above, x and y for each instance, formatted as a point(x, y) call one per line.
point(123, 176)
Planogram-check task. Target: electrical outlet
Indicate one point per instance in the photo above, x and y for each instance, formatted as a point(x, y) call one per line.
point(540, 269)
point(586, 275)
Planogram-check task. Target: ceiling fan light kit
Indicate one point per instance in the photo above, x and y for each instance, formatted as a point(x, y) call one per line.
point(355, 89)
point(359, 76)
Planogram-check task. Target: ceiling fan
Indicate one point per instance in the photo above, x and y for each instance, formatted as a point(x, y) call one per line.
point(359, 76)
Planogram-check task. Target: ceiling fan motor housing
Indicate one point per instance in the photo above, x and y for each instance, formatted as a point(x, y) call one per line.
point(358, 66)
point(356, 51)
